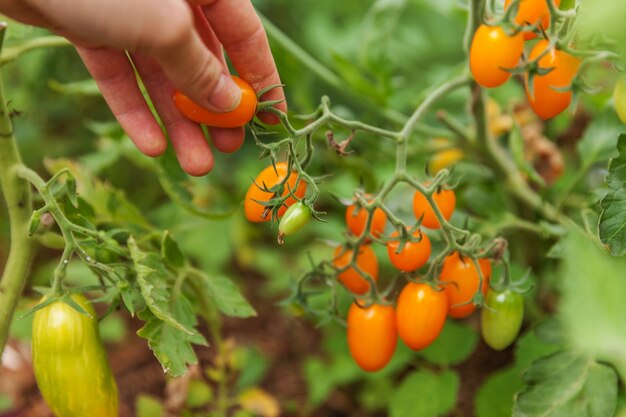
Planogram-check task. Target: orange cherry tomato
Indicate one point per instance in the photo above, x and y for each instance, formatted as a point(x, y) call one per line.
point(239, 116)
point(491, 52)
point(372, 335)
point(413, 256)
point(445, 200)
point(461, 278)
point(366, 261)
point(547, 102)
point(270, 177)
point(356, 219)
point(529, 12)
point(420, 314)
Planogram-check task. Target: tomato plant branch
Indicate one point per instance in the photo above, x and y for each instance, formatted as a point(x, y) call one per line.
point(12, 53)
point(17, 197)
point(336, 81)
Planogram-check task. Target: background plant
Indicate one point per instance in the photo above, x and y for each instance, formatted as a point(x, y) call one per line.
point(370, 74)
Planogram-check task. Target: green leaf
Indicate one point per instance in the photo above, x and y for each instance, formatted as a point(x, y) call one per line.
point(598, 142)
point(170, 252)
point(34, 222)
point(5, 402)
point(172, 180)
point(171, 346)
point(253, 365)
point(226, 296)
point(593, 311)
point(425, 394)
point(152, 279)
point(612, 224)
point(454, 345)
point(568, 384)
point(148, 406)
point(495, 396)
point(338, 370)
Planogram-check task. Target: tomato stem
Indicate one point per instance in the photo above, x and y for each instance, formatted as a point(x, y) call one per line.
point(17, 196)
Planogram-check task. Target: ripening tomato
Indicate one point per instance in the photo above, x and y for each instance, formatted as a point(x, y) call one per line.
point(239, 116)
point(413, 256)
point(501, 318)
point(269, 177)
point(445, 200)
point(356, 219)
point(70, 363)
point(461, 283)
point(530, 12)
point(619, 98)
point(444, 159)
point(420, 314)
point(372, 335)
point(492, 51)
point(546, 101)
point(295, 218)
point(366, 261)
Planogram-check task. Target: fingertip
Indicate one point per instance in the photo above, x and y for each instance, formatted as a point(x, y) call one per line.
point(227, 140)
point(153, 148)
point(197, 166)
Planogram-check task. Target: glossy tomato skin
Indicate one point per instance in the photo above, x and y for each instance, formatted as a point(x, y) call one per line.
point(619, 98)
point(366, 261)
point(413, 256)
point(372, 335)
point(356, 219)
point(420, 314)
point(445, 200)
point(461, 283)
point(491, 51)
point(530, 12)
point(501, 318)
point(70, 363)
point(239, 116)
point(270, 177)
point(547, 102)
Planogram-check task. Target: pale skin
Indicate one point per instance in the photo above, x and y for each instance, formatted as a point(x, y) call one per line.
point(173, 44)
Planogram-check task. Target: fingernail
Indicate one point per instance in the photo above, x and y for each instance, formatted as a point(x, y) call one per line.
point(226, 95)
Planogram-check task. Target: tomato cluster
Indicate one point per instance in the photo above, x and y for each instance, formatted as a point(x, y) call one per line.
point(422, 307)
point(494, 52)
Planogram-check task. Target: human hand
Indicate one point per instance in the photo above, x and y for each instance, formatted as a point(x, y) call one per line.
point(172, 44)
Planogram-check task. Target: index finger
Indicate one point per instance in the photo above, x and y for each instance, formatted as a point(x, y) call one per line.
point(240, 31)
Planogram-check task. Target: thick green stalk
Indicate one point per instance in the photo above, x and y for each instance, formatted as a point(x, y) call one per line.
point(17, 197)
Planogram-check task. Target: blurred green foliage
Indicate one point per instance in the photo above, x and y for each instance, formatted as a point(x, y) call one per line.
point(388, 53)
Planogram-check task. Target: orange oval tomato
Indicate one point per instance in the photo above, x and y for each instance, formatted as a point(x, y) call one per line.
point(547, 102)
point(445, 200)
point(366, 261)
point(356, 219)
point(413, 256)
point(491, 52)
point(372, 335)
point(461, 283)
point(239, 116)
point(420, 314)
point(529, 12)
point(270, 177)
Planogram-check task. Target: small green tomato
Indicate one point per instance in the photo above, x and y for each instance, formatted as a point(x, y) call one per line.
point(294, 219)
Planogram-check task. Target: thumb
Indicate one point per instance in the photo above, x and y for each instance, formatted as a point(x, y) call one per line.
point(192, 68)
